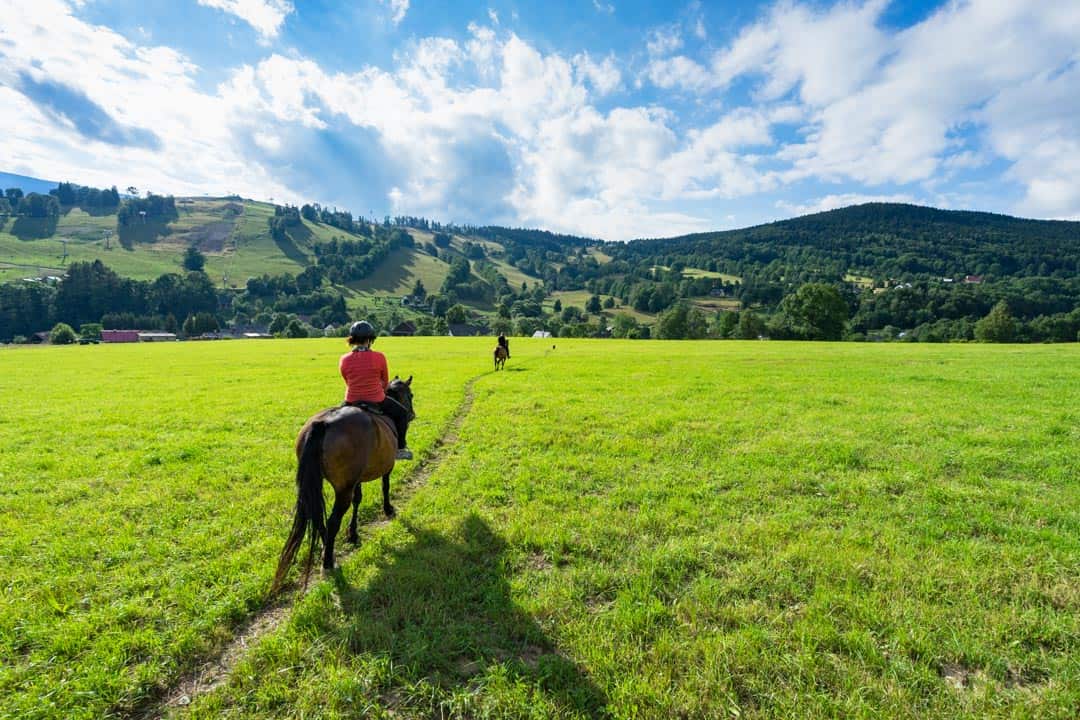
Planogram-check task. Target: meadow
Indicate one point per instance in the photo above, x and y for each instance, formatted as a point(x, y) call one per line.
point(616, 529)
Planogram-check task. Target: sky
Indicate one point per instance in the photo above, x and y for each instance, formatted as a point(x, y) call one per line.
point(605, 118)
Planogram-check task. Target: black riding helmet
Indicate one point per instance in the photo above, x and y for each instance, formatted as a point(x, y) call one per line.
point(362, 331)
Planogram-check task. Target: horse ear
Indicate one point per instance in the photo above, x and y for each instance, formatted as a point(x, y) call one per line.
point(409, 381)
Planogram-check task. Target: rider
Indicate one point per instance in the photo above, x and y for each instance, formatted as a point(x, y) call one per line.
point(366, 379)
point(502, 341)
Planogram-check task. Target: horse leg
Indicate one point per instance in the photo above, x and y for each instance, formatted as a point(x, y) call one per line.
point(387, 508)
point(358, 495)
point(342, 500)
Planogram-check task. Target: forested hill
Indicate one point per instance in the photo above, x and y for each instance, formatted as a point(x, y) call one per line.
point(880, 240)
point(92, 257)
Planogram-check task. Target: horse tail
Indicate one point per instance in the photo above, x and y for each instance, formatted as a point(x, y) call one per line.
point(310, 514)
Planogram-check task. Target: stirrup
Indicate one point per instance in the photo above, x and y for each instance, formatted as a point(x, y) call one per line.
point(404, 454)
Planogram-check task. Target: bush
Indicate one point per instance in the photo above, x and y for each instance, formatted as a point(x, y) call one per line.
point(296, 329)
point(90, 331)
point(62, 334)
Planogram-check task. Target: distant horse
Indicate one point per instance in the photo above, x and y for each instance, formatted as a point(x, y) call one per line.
point(348, 446)
point(500, 357)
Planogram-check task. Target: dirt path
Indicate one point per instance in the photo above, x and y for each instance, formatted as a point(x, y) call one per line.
point(215, 671)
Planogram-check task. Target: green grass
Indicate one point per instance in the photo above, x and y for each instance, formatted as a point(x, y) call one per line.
point(141, 510)
point(398, 273)
point(578, 298)
point(233, 236)
point(633, 530)
point(698, 272)
point(237, 245)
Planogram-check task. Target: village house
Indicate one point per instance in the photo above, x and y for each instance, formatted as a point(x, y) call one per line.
point(404, 329)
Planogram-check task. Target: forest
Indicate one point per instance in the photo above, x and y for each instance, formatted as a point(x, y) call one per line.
point(870, 272)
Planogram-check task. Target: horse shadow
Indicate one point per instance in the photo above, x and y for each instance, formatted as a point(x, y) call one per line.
point(442, 610)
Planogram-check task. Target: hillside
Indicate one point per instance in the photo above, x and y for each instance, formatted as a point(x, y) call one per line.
point(885, 240)
point(902, 271)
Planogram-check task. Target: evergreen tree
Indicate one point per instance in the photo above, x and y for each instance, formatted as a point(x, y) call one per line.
point(193, 259)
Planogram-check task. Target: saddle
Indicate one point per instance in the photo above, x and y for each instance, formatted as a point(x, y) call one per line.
point(365, 406)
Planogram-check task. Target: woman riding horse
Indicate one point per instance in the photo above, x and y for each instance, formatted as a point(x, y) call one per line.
point(366, 379)
point(347, 445)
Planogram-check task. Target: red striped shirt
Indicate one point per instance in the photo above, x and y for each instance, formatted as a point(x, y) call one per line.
point(365, 375)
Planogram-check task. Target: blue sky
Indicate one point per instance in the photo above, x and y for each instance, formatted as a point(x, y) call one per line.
point(609, 119)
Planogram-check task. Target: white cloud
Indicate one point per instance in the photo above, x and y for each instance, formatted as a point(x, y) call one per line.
point(894, 108)
point(398, 9)
point(664, 41)
point(699, 29)
point(493, 129)
point(604, 7)
point(832, 202)
point(680, 72)
point(493, 16)
point(604, 76)
point(171, 137)
point(266, 16)
point(826, 54)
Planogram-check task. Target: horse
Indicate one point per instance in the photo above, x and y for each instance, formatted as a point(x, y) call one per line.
point(500, 356)
point(348, 446)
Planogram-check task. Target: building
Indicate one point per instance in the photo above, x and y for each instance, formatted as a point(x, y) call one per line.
point(404, 329)
point(119, 336)
point(541, 334)
point(465, 330)
point(156, 336)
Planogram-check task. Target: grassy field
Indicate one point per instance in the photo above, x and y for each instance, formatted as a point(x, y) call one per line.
point(397, 275)
point(233, 236)
point(621, 529)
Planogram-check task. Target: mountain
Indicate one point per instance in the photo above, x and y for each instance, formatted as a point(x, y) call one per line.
point(26, 183)
point(905, 270)
point(882, 240)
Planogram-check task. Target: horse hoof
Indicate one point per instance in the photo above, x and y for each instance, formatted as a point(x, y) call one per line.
point(390, 511)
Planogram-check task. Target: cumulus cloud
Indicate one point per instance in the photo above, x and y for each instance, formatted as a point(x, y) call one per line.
point(912, 106)
point(133, 115)
point(490, 128)
point(266, 16)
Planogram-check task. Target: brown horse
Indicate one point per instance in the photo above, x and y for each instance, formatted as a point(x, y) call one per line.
point(500, 356)
point(347, 446)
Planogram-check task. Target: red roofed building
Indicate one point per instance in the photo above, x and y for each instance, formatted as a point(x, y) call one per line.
point(119, 336)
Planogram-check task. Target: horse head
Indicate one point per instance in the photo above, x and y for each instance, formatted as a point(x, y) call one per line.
point(401, 390)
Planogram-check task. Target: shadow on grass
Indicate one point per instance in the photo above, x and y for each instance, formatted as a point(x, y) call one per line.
point(27, 228)
point(288, 243)
point(394, 270)
point(142, 231)
point(442, 609)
